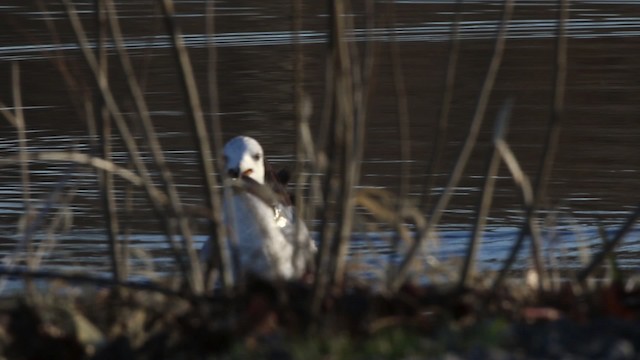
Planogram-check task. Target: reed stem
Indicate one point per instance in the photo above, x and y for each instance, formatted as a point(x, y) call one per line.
point(484, 203)
point(469, 144)
point(194, 111)
point(101, 117)
point(128, 140)
point(440, 135)
point(552, 138)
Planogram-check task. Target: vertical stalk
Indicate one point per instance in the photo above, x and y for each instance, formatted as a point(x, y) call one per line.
point(22, 138)
point(610, 245)
point(329, 193)
point(349, 138)
point(227, 259)
point(105, 178)
point(194, 110)
point(478, 117)
point(130, 144)
point(23, 156)
point(553, 133)
point(344, 155)
point(440, 134)
point(484, 203)
point(469, 144)
point(154, 144)
point(528, 197)
point(402, 110)
point(557, 103)
point(301, 118)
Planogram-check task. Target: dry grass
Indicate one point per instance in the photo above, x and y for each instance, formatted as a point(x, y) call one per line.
point(185, 317)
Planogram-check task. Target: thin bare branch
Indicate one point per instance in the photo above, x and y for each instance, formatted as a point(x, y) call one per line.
point(22, 155)
point(484, 203)
point(348, 95)
point(610, 245)
point(60, 218)
point(95, 162)
point(440, 134)
point(105, 178)
point(130, 143)
point(344, 152)
point(96, 281)
point(553, 133)
point(557, 103)
point(469, 143)
point(229, 259)
point(402, 109)
point(302, 111)
point(194, 110)
point(152, 139)
point(8, 115)
point(478, 116)
point(522, 181)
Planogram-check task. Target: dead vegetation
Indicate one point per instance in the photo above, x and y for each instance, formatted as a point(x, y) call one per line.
point(470, 314)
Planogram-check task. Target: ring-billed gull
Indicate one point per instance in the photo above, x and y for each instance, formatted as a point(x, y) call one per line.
point(264, 225)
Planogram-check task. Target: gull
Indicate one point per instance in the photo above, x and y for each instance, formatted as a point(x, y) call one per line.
point(263, 222)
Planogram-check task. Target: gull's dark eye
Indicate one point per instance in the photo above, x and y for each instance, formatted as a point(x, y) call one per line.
point(256, 157)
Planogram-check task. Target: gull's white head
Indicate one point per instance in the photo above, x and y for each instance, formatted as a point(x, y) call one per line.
point(244, 157)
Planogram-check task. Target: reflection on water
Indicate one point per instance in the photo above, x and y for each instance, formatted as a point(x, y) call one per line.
point(594, 180)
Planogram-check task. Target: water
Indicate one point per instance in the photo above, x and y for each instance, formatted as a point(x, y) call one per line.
point(595, 177)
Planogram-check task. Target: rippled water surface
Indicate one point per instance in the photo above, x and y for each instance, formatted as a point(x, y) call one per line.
point(595, 178)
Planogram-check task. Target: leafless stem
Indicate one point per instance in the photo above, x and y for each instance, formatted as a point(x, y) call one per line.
point(522, 181)
point(95, 280)
point(61, 216)
point(194, 109)
point(129, 142)
point(348, 95)
point(22, 136)
point(345, 153)
point(484, 203)
point(22, 153)
point(8, 115)
point(478, 116)
point(230, 260)
point(105, 178)
point(555, 122)
point(402, 110)
point(469, 143)
point(95, 162)
point(610, 245)
point(440, 134)
point(302, 111)
point(553, 133)
point(153, 142)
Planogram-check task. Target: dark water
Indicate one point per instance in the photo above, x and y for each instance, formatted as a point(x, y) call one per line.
point(596, 173)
